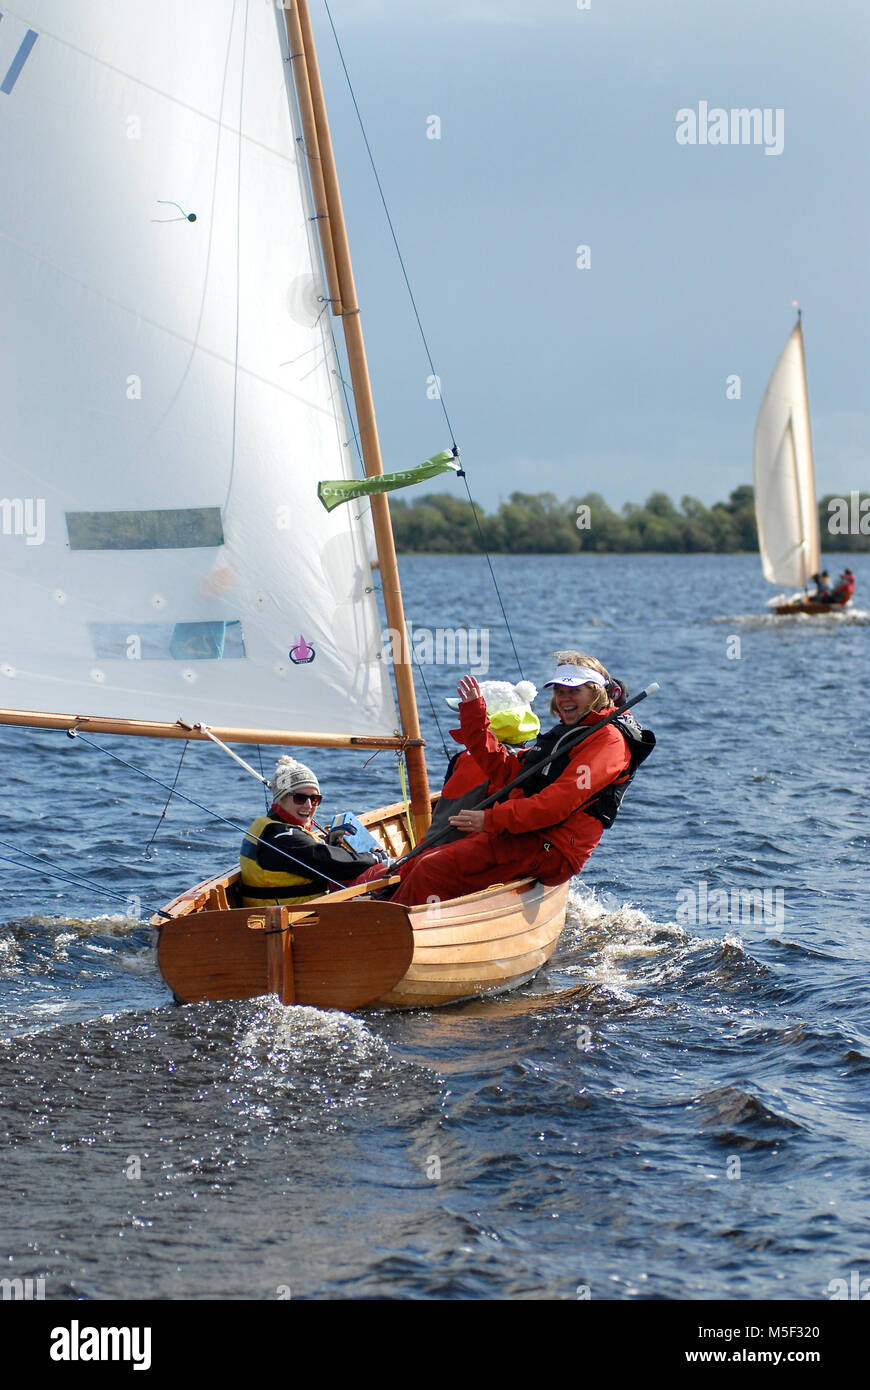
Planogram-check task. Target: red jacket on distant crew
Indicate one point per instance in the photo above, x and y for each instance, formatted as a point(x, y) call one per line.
point(845, 589)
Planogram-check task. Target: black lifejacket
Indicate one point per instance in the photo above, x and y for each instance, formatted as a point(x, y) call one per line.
point(605, 805)
point(451, 800)
point(446, 806)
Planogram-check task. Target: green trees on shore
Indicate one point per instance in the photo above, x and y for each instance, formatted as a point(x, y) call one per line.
point(539, 524)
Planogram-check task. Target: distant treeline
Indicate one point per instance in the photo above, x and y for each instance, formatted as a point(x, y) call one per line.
point(538, 524)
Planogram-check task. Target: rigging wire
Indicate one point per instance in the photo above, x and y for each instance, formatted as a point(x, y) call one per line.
point(423, 337)
point(349, 407)
point(76, 733)
point(162, 815)
point(389, 221)
point(444, 746)
point(51, 872)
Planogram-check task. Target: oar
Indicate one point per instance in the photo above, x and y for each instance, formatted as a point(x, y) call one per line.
point(568, 742)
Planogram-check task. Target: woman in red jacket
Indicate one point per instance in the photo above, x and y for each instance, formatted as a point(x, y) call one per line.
point(541, 830)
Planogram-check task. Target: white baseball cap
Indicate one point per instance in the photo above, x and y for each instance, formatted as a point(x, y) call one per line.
point(576, 675)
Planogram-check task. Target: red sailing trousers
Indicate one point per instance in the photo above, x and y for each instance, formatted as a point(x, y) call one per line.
point(478, 861)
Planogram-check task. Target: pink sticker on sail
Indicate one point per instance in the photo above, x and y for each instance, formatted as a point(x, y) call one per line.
point(301, 652)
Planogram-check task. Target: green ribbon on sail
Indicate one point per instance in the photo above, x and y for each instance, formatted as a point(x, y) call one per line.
point(332, 494)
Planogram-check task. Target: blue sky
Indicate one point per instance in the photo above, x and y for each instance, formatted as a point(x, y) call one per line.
point(558, 130)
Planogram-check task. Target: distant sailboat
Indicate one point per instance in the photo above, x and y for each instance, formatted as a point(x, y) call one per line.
point(785, 488)
point(785, 485)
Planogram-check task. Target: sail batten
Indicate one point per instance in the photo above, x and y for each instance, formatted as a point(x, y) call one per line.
point(171, 384)
point(785, 490)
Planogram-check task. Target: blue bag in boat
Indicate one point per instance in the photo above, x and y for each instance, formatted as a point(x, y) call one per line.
point(354, 834)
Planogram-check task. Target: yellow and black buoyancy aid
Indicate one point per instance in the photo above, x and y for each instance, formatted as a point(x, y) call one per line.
point(292, 884)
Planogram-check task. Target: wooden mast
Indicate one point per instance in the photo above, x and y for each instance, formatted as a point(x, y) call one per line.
point(333, 234)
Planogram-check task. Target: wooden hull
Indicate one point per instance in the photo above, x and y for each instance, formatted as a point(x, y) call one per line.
point(489, 941)
point(347, 951)
point(806, 605)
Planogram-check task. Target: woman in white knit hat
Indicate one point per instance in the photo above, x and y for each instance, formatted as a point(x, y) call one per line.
point(285, 856)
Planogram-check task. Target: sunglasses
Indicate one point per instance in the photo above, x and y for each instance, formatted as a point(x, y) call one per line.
point(300, 798)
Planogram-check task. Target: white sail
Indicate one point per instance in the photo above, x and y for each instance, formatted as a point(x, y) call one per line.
point(785, 490)
point(168, 389)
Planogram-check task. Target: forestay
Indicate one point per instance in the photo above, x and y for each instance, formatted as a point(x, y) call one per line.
point(785, 490)
point(169, 391)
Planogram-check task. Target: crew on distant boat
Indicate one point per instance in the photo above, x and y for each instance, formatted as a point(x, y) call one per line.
point(844, 590)
point(823, 587)
point(285, 857)
point(549, 825)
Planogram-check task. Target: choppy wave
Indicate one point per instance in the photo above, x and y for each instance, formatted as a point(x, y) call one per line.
point(669, 1110)
point(822, 622)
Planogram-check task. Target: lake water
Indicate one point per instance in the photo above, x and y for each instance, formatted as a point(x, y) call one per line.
point(677, 1108)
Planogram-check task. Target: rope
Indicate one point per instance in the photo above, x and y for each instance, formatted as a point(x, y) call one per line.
point(407, 801)
point(267, 795)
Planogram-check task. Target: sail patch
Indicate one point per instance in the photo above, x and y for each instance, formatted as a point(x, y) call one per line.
point(184, 528)
point(205, 641)
point(18, 61)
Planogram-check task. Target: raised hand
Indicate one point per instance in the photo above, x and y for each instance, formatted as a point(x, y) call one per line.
point(467, 690)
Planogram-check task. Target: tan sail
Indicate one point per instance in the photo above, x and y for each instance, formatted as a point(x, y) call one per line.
point(785, 489)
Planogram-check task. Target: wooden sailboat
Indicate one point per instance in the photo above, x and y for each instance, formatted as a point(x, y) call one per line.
point(785, 488)
point(173, 401)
